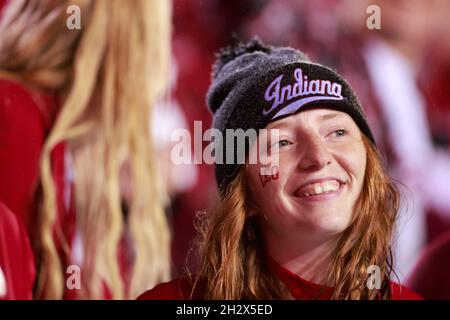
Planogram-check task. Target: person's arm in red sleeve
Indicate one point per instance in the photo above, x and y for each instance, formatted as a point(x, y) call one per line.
point(22, 133)
point(17, 269)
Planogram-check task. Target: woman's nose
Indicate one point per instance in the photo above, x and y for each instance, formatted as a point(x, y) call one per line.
point(313, 153)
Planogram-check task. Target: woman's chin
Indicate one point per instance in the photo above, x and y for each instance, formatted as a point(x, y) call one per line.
point(325, 222)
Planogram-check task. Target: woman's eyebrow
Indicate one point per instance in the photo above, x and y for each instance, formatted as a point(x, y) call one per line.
point(330, 116)
point(282, 124)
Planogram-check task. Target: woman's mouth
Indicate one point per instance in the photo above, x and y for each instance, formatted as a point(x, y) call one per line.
point(324, 189)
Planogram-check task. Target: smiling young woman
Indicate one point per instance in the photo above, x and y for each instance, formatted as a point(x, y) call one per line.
point(323, 220)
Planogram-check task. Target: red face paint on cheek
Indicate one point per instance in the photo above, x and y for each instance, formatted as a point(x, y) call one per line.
point(269, 175)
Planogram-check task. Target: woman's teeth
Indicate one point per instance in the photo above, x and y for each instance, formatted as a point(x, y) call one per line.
point(320, 188)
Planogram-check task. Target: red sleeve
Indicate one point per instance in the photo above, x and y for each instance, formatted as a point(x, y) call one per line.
point(400, 292)
point(21, 139)
point(17, 270)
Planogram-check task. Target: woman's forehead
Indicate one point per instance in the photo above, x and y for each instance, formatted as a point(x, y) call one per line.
point(315, 115)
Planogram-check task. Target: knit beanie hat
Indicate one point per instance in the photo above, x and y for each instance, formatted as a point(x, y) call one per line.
point(254, 85)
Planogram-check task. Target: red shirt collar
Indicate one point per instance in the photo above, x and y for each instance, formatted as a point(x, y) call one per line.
point(299, 288)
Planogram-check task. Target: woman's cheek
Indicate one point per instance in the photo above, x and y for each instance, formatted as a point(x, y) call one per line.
point(268, 177)
point(353, 158)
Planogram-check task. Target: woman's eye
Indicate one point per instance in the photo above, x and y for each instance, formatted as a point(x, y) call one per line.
point(283, 143)
point(340, 133)
point(280, 143)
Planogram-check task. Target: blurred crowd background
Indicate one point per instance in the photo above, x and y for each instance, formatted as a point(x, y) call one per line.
point(400, 72)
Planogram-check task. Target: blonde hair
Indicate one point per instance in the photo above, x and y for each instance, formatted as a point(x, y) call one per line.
point(233, 264)
point(111, 73)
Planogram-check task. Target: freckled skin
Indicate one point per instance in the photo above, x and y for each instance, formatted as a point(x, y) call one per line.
point(311, 145)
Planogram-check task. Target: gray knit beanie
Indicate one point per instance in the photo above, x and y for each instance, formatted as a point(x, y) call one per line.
point(254, 84)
